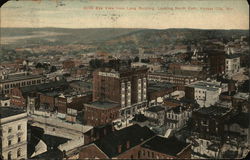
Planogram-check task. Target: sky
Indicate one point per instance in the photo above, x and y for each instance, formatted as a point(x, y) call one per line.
point(156, 14)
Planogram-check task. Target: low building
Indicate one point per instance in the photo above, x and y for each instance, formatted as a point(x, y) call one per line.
point(100, 112)
point(210, 120)
point(165, 148)
point(180, 80)
point(122, 144)
point(8, 82)
point(155, 115)
point(157, 91)
point(205, 93)
point(13, 132)
point(155, 67)
point(177, 117)
point(4, 101)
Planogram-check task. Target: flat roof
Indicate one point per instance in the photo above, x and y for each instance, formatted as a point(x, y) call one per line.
point(156, 86)
point(104, 104)
point(170, 146)
point(10, 111)
point(213, 111)
point(155, 109)
point(241, 95)
point(18, 78)
point(205, 85)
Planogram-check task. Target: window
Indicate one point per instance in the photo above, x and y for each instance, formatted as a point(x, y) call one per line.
point(19, 127)
point(9, 155)
point(19, 152)
point(19, 139)
point(9, 130)
point(9, 142)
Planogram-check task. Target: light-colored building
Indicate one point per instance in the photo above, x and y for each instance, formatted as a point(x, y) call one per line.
point(177, 117)
point(155, 115)
point(13, 133)
point(232, 64)
point(205, 93)
point(4, 101)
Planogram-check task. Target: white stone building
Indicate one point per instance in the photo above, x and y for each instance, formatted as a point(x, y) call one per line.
point(13, 133)
point(207, 93)
point(232, 64)
point(177, 117)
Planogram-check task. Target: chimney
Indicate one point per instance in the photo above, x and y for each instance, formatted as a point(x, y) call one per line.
point(105, 132)
point(128, 144)
point(119, 148)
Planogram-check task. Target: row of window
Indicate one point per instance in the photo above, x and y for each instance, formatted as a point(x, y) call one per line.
point(18, 128)
point(19, 152)
point(10, 141)
point(20, 84)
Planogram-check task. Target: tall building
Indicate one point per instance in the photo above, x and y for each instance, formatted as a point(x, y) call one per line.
point(125, 86)
point(13, 133)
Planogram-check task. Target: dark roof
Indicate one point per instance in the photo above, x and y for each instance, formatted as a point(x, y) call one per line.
point(50, 154)
point(19, 78)
point(158, 86)
point(10, 111)
point(170, 146)
point(155, 109)
point(213, 111)
point(4, 98)
point(134, 134)
point(242, 119)
point(140, 118)
point(104, 104)
point(53, 141)
point(44, 87)
point(231, 56)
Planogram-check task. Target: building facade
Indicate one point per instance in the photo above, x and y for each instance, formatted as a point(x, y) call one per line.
point(125, 86)
point(13, 133)
point(9, 82)
point(232, 64)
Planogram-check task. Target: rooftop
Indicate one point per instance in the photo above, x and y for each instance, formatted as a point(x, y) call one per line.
point(104, 104)
point(156, 86)
point(213, 111)
point(44, 87)
point(170, 146)
point(243, 119)
point(133, 134)
point(241, 95)
point(10, 111)
point(19, 77)
point(205, 85)
point(155, 109)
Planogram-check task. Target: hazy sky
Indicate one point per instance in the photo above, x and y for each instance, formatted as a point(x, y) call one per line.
point(159, 14)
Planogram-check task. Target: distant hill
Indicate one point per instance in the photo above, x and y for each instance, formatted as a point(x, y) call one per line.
point(111, 39)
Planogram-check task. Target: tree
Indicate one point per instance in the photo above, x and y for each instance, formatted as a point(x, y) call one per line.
point(136, 59)
point(53, 69)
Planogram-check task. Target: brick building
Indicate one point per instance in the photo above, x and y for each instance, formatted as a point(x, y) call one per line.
point(8, 82)
point(135, 142)
point(180, 80)
point(125, 86)
point(165, 148)
point(210, 121)
point(99, 113)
